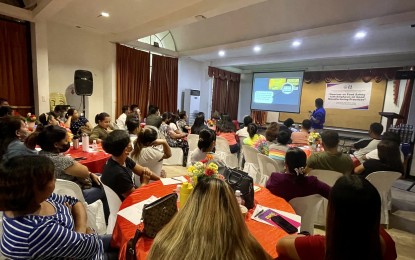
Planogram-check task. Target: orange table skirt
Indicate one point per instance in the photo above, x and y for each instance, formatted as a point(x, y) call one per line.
point(94, 161)
point(266, 235)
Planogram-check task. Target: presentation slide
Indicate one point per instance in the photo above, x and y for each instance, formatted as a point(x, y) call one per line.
point(277, 91)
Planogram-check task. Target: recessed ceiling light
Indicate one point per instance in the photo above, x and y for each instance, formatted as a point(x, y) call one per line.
point(105, 14)
point(257, 49)
point(296, 43)
point(221, 53)
point(360, 35)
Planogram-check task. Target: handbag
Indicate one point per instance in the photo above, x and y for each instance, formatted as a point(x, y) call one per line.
point(155, 216)
point(241, 181)
point(158, 213)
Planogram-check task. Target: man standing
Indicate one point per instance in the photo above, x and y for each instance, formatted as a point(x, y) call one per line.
point(318, 117)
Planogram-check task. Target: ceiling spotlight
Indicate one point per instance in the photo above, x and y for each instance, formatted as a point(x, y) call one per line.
point(296, 43)
point(105, 14)
point(257, 49)
point(360, 35)
point(221, 53)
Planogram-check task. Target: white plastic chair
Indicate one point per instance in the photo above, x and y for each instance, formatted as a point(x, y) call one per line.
point(114, 204)
point(70, 188)
point(307, 207)
point(383, 180)
point(329, 178)
point(266, 167)
point(251, 162)
point(192, 140)
point(176, 157)
point(223, 151)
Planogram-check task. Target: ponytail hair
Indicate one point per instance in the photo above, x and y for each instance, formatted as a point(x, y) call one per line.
point(101, 117)
point(145, 137)
point(252, 130)
point(206, 137)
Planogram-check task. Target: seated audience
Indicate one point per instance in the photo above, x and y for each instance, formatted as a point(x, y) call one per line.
point(133, 127)
point(226, 129)
point(182, 122)
point(375, 132)
point(60, 112)
point(174, 139)
point(199, 124)
point(288, 123)
point(205, 146)
point(135, 112)
point(119, 169)
point(209, 226)
point(123, 117)
point(272, 132)
point(389, 160)
point(243, 132)
point(102, 129)
point(147, 154)
point(39, 224)
point(294, 182)
point(394, 137)
point(301, 137)
point(173, 120)
point(4, 102)
point(277, 150)
point(153, 117)
point(48, 119)
point(76, 122)
point(13, 134)
point(255, 140)
point(331, 158)
point(347, 236)
point(6, 111)
point(53, 141)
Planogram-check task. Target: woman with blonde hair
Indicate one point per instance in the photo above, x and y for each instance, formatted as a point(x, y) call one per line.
point(195, 234)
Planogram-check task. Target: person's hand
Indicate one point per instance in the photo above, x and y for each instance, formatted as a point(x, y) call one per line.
point(163, 174)
point(158, 142)
point(146, 175)
point(95, 178)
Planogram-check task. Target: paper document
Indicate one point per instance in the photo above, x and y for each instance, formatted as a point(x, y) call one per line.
point(263, 214)
point(134, 212)
point(256, 188)
point(173, 180)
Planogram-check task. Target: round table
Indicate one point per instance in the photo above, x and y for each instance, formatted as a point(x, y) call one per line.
point(95, 161)
point(266, 235)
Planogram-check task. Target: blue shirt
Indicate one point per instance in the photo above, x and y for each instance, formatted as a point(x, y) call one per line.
point(49, 237)
point(320, 115)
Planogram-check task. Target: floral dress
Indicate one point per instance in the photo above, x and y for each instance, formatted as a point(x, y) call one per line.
point(258, 142)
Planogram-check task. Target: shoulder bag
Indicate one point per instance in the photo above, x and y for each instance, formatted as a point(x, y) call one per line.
point(240, 180)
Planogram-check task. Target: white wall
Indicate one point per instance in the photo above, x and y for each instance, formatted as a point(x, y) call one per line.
point(193, 75)
point(70, 49)
point(245, 88)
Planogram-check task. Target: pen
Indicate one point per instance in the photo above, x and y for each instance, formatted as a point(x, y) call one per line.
point(176, 179)
point(259, 213)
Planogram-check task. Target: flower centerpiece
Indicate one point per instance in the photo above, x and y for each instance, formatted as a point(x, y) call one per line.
point(203, 168)
point(31, 121)
point(211, 122)
point(314, 139)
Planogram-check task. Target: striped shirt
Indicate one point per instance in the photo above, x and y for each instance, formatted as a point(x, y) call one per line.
point(48, 237)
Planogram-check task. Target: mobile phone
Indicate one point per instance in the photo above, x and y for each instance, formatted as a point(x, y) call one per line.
point(284, 224)
point(79, 158)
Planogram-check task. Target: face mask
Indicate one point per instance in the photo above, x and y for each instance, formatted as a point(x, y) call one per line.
point(64, 148)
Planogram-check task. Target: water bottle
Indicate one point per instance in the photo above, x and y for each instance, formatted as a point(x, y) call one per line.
point(94, 145)
point(178, 188)
point(85, 142)
point(185, 191)
point(238, 195)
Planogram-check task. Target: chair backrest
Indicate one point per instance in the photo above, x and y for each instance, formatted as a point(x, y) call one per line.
point(192, 140)
point(268, 165)
point(326, 176)
point(250, 154)
point(114, 204)
point(307, 207)
point(383, 180)
point(56, 99)
point(222, 145)
point(70, 188)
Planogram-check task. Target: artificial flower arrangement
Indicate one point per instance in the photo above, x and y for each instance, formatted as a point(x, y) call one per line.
point(314, 138)
point(204, 168)
point(211, 122)
point(30, 117)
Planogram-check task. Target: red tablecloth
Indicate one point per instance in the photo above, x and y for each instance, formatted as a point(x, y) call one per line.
point(266, 235)
point(94, 161)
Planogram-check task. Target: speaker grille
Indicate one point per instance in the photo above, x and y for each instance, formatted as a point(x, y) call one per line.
point(83, 82)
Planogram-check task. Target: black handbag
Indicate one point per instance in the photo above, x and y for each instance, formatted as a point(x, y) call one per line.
point(131, 254)
point(241, 181)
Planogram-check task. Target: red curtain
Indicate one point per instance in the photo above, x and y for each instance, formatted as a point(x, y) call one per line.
point(164, 83)
point(16, 84)
point(133, 77)
point(225, 91)
point(406, 102)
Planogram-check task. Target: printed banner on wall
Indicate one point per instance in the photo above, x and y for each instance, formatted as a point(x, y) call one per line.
point(354, 95)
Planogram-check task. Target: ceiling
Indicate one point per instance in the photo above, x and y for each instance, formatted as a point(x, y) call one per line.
point(326, 29)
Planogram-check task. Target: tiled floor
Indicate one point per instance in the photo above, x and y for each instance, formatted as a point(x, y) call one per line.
point(404, 219)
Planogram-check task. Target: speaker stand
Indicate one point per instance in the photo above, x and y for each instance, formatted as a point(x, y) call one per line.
point(83, 105)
